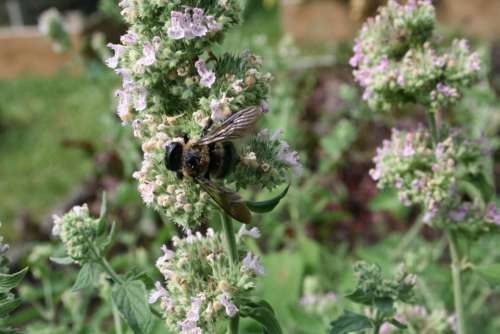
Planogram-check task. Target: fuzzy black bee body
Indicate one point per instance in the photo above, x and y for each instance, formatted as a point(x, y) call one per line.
point(214, 156)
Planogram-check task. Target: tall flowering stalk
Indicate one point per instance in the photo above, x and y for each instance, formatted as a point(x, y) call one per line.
point(397, 61)
point(175, 87)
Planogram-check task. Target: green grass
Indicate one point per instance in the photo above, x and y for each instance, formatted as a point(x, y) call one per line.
point(36, 114)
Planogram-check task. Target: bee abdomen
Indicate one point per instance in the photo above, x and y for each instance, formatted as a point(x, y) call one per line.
point(223, 158)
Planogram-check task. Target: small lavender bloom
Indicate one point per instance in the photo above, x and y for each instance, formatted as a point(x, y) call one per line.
point(384, 64)
point(130, 38)
point(460, 213)
point(492, 214)
point(149, 55)
point(358, 56)
point(439, 151)
point(198, 29)
point(123, 106)
point(158, 292)
point(474, 62)
point(212, 24)
point(231, 309)
point(141, 95)
point(175, 30)
point(251, 262)
point(126, 75)
point(253, 232)
point(207, 76)
point(217, 114)
point(446, 90)
point(118, 49)
point(408, 150)
point(264, 107)
point(289, 157)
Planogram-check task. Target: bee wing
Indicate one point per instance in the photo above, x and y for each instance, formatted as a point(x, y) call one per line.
point(234, 127)
point(228, 200)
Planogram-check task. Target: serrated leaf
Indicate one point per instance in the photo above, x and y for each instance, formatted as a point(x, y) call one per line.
point(88, 276)
point(265, 317)
point(131, 300)
point(491, 273)
point(350, 322)
point(10, 281)
point(269, 205)
point(62, 260)
point(359, 296)
point(385, 306)
point(8, 305)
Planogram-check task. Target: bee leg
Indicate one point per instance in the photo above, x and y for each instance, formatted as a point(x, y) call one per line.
point(185, 137)
point(207, 127)
point(180, 176)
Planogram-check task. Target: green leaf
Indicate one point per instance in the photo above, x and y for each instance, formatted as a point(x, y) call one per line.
point(385, 306)
point(110, 238)
point(264, 316)
point(10, 281)
point(101, 226)
point(267, 206)
point(8, 305)
point(350, 322)
point(397, 324)
point(88, 276)
point(62, 260)
point(359, 296)
point(491, 273)
point(131, 300)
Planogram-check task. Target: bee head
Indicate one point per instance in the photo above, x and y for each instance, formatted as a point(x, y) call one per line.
point(173, 156)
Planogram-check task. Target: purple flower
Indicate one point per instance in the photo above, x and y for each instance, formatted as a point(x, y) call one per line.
point(358, 56)
point(253, 232)
point(212, 23)
point(251, 263)
point(217, 114)
point(492, 214)
point(140, 97)
point(130, 38)
point(231, 309)
point(177, 21)
point(198, 29)
point(474, 62)
point(408, 150)
point(123, 106)
point(384, 64)
point(112, 62)
point(158, 292)
point(149, 55)
point(460, 213)
point(447, 90)
point(207, 76)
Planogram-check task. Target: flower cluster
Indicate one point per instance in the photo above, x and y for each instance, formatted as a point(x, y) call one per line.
point(428, 176)
point(77, 231)
point(396, 62)
point(420, 320)
point(202, 287)
point(51, 24)
point(174, 85)
point(371, 285)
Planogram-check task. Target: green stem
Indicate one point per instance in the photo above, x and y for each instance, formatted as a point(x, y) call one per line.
point(116, 319)
point(230, 241)
point(105, 265)
point(229, 238)
point(431, 120)
point(457, 286)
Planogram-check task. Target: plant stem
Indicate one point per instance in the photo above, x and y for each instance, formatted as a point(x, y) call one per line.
point(116, 319)
point(229, 238)
point(431, 120)
point(230, 241)
point(457, 286)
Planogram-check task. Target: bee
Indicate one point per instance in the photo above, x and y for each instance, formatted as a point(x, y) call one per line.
point(214, 156)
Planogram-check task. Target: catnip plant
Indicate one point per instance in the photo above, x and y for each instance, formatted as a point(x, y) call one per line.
point(399, 61)
point(8, 282)
point(177, 87)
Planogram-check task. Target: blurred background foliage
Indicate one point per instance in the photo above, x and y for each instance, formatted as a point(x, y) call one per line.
point(61, 145)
